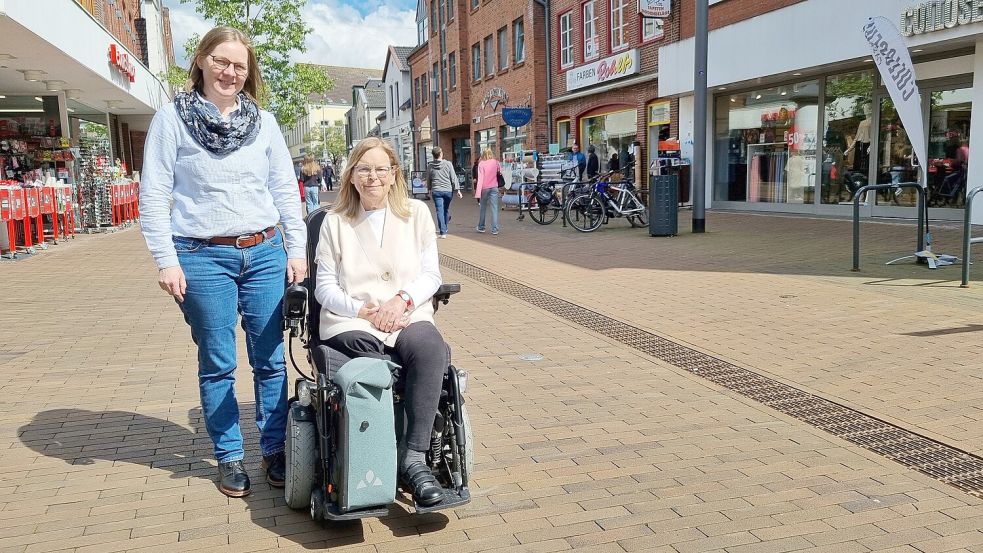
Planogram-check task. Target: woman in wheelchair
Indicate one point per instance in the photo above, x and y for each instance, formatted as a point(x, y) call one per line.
point(377, 271)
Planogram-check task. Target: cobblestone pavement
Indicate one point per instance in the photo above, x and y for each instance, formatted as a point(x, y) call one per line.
point(595, 447)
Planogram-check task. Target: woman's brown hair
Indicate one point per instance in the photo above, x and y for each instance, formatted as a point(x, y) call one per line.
point(253, 86)
point(310, 167)
point(347, 203)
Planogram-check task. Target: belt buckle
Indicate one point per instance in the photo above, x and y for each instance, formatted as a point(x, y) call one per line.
point(244, 237)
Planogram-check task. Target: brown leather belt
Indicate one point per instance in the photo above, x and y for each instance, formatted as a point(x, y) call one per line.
point(245, 240)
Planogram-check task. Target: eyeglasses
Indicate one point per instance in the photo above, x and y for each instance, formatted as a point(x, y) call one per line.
point(364, 171)
point(222, 64)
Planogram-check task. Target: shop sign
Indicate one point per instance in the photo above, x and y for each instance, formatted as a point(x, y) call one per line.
point(655, 8)
point(890, 53)
point(516, 117)
point(495, 97)
point(936, 15)
point(608, 69)
point(659, 113)
point(121, 60)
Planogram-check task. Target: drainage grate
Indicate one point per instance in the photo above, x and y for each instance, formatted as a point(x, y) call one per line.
point(940, 461)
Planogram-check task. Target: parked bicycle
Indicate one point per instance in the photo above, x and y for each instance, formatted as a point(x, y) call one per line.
point(604, 200)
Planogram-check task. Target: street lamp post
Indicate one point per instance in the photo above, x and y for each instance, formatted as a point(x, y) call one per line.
point(700, 119)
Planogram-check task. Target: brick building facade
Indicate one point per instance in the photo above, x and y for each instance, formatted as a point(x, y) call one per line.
point(474, 58)
point(119, 18)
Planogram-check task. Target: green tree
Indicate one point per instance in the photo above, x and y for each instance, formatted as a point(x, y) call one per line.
point(175, 77)
point(276, 28)
point(326, 142)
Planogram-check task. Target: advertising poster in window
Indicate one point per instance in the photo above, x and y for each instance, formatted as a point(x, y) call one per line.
point(655, 8)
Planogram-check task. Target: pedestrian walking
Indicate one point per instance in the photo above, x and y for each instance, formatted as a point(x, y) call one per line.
point(328, 176)
point(487, 189)
point(442, 183)
point(593, 164)
point(311, 172)
point(222, 161)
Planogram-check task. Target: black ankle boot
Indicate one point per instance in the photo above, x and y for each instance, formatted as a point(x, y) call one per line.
point(232, 479)
point(418, 479)
point(276, 468)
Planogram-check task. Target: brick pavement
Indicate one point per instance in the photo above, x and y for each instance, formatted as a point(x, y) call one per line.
point(595, 447)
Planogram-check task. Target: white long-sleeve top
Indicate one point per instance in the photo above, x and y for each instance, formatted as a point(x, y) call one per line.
point(246, 191)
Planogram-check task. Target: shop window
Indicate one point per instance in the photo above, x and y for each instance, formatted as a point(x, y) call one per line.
point(563, 135)
point(845, 164)
point(486, 140)
point(566, 40)
point(452, 68)
point(503, 48)
point(592, 40)
point(512, 137)
point(518, 41)
point(611, 134)
point(489, 57)
point(766, 140)
point(476, 62)
point(619, 24)
point(948, 146)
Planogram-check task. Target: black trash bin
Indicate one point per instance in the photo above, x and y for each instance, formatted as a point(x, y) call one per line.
point(664, 205)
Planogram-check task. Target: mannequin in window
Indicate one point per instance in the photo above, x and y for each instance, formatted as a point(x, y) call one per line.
point(861, 142)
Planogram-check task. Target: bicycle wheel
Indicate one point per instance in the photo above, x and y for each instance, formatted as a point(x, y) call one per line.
point(585, 213)
point(641, 218)
point(544, 214)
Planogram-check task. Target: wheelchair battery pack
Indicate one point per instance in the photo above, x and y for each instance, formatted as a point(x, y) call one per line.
point(365, 452)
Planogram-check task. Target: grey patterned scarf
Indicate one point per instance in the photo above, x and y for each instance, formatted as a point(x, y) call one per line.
point(207, 127)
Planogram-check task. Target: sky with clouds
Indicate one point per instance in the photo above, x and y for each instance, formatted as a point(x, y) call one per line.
point(351, 33)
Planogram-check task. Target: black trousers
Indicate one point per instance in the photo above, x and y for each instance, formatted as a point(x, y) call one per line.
point(421, 352)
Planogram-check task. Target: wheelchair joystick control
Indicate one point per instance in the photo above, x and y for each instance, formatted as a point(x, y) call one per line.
point(294, 309)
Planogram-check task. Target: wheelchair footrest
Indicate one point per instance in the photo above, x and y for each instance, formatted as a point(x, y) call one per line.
point(331, 512)
point(452, 498)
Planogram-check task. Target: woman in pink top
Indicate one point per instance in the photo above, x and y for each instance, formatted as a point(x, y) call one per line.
point(487, 189)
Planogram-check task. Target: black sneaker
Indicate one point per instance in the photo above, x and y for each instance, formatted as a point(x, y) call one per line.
point(232, 479)
point(276, 468)
point(418, 480)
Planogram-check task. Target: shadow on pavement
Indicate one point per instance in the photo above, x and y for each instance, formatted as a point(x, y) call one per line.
point(83, 437)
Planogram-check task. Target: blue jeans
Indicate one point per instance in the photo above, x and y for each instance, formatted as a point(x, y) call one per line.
point(224, 283)
point(442, 203)
point(488, 195)
point(312, 198)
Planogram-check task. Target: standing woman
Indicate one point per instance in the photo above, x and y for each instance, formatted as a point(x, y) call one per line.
point(487, 189)
point(223, 163)
point(310, 172)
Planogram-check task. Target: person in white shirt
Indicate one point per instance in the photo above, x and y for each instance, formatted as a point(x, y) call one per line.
point(221, 161)
point(377, 270)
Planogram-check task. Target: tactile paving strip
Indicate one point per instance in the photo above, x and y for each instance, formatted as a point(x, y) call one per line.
point(940, 461)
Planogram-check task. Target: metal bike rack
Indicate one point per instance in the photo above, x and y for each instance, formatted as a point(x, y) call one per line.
point(877, 187)
point(968, 239)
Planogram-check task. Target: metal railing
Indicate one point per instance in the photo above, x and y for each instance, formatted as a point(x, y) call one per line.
point(968, 239)
point(894, 187)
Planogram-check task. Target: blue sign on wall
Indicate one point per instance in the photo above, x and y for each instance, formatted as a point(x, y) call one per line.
point(516, 117)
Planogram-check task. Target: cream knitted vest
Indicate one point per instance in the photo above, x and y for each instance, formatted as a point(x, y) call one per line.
point(372, 273)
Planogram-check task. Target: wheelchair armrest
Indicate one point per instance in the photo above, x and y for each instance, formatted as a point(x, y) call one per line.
point(444, 293)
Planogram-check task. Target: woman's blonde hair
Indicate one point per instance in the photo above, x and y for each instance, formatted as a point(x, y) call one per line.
point(310, 167)
point(253, 86)
point(487, 153)
point(347, 203)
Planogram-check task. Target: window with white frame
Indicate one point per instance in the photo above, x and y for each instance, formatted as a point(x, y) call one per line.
point(476, 62)
point(518, 41)
point(592, 40)
point(652, 29)
point(566, 39)
point(489, 56)
point(619, 24)
point(503, 48)
point(452, 69)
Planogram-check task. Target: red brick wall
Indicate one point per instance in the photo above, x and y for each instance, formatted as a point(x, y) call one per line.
point(129, 11)
point(727, 12)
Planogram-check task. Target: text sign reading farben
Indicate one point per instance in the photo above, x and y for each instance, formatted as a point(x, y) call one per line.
point(608, 69)
point(937, 15)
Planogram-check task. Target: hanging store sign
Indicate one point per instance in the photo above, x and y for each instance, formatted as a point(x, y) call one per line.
point(608, 69)
point(494, 98)
point(890, 53)
point(936, 15)
point(516, 117)
point(121, 60)
point(659, 113)
point(655, 8)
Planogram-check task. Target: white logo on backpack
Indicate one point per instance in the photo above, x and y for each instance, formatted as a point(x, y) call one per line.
point(370, 480)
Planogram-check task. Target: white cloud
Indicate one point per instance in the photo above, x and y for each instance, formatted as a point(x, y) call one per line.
point(341, 35)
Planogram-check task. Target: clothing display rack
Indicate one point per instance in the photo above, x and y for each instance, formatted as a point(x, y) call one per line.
point(96, 174)
point(766, 172)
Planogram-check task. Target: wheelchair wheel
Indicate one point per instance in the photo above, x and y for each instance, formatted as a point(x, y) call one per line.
point(301, 452)
point(469, 440)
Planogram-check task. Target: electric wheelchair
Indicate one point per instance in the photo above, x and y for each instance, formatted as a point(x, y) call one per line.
point(345, 420)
